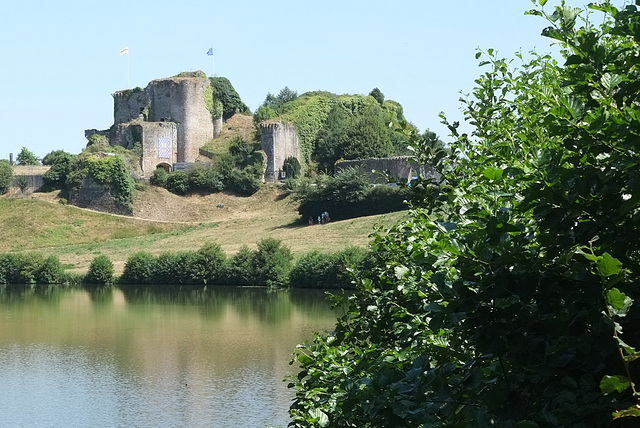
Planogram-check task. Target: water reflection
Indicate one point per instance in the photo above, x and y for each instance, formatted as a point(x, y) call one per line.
point(151, 358)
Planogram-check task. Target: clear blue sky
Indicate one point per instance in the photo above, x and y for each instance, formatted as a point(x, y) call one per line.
point(61, 63)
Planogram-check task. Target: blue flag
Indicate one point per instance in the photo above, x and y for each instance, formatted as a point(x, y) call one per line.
point(210, 51)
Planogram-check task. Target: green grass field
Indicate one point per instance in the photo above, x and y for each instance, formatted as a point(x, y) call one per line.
point(76, 235)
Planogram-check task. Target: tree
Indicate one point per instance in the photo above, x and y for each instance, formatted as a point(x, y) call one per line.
point(367, 136)
point(54, 156)
point(62, 164)
point(224, 92)
point(100, 271)
point(26, 157)
point(378, 95)
point(506, 298)
point(331, 138)
point(23, 183)
point(6, 176)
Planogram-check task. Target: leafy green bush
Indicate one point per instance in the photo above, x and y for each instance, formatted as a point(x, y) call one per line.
point(30, 268)
point(100, 271)
point(239, 268)
point(348, 195)
point(292, 167)
point(210, 264)
point(139, 269)
point(159, 177)
point(178, 182)
point(62, 164)
point(313, 270)
point(320, 270)
point(204, 179)
point(243, 181)
point(6, 176)
point(174, 268)
point(271, 263)
point(110, 171)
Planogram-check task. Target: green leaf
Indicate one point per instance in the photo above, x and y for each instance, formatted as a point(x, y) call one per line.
point(575, 106)
point(400, 271)
point(542, 2)
point(608, 265)
point(609, 384)
point(493, 173)
point(610, 81)
point(533, 12)
point(320, 416)
point(633, 412)
point(619, 303)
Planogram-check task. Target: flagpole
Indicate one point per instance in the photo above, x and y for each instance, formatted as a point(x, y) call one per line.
point(128, 69)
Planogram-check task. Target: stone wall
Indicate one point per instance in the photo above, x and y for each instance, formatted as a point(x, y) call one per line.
point(96, 197)
point(32, 173)
point(130, 104)
point(402, 168)
point(279, 142)
point(159, 145)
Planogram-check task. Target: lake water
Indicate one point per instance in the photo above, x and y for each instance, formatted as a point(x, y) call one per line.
point(70, 358)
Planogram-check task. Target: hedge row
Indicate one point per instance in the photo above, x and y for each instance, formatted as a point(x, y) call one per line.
point(270, 264)
point(31, 268)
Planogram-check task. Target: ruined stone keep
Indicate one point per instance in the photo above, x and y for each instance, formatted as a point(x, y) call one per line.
point(169, 118)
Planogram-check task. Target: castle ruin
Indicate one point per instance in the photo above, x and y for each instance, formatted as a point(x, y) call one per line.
point(169, 119)
point(279, 142)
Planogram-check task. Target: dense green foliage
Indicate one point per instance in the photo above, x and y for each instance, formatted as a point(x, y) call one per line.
point(328, 270)
point(378, 95)
point(6, 176)
point(240, 171)
point(27, 157)
point(30, 268)
point(271, 263)
point(332, 126)
point(112, 171)
point(268, 265)
point(159, 177)
point(100, 271)
point(62, 164)
point(225, 93)
point(178, 182)
point(292, 167)
point(506, 298)
point(347, 195)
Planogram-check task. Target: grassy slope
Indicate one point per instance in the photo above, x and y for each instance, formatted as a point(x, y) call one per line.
point(77, 235)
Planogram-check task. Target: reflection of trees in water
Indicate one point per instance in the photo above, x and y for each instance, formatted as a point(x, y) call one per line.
point(266, 305)
point(101, 295)
point(16, 293)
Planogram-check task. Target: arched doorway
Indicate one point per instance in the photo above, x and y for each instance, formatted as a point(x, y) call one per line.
point(167, 167)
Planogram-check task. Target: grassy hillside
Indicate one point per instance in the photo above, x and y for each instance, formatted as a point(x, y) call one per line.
point(166, 222)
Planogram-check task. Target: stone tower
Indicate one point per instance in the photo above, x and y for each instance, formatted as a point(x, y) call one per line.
point(170, 118)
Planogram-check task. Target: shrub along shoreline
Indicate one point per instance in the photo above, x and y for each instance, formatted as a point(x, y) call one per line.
point(271, 264)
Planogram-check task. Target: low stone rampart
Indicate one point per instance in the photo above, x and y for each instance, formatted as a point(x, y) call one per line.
point(401, 168)
point(97, 197)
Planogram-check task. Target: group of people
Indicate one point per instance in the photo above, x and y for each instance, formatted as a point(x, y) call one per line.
point(322, 219)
